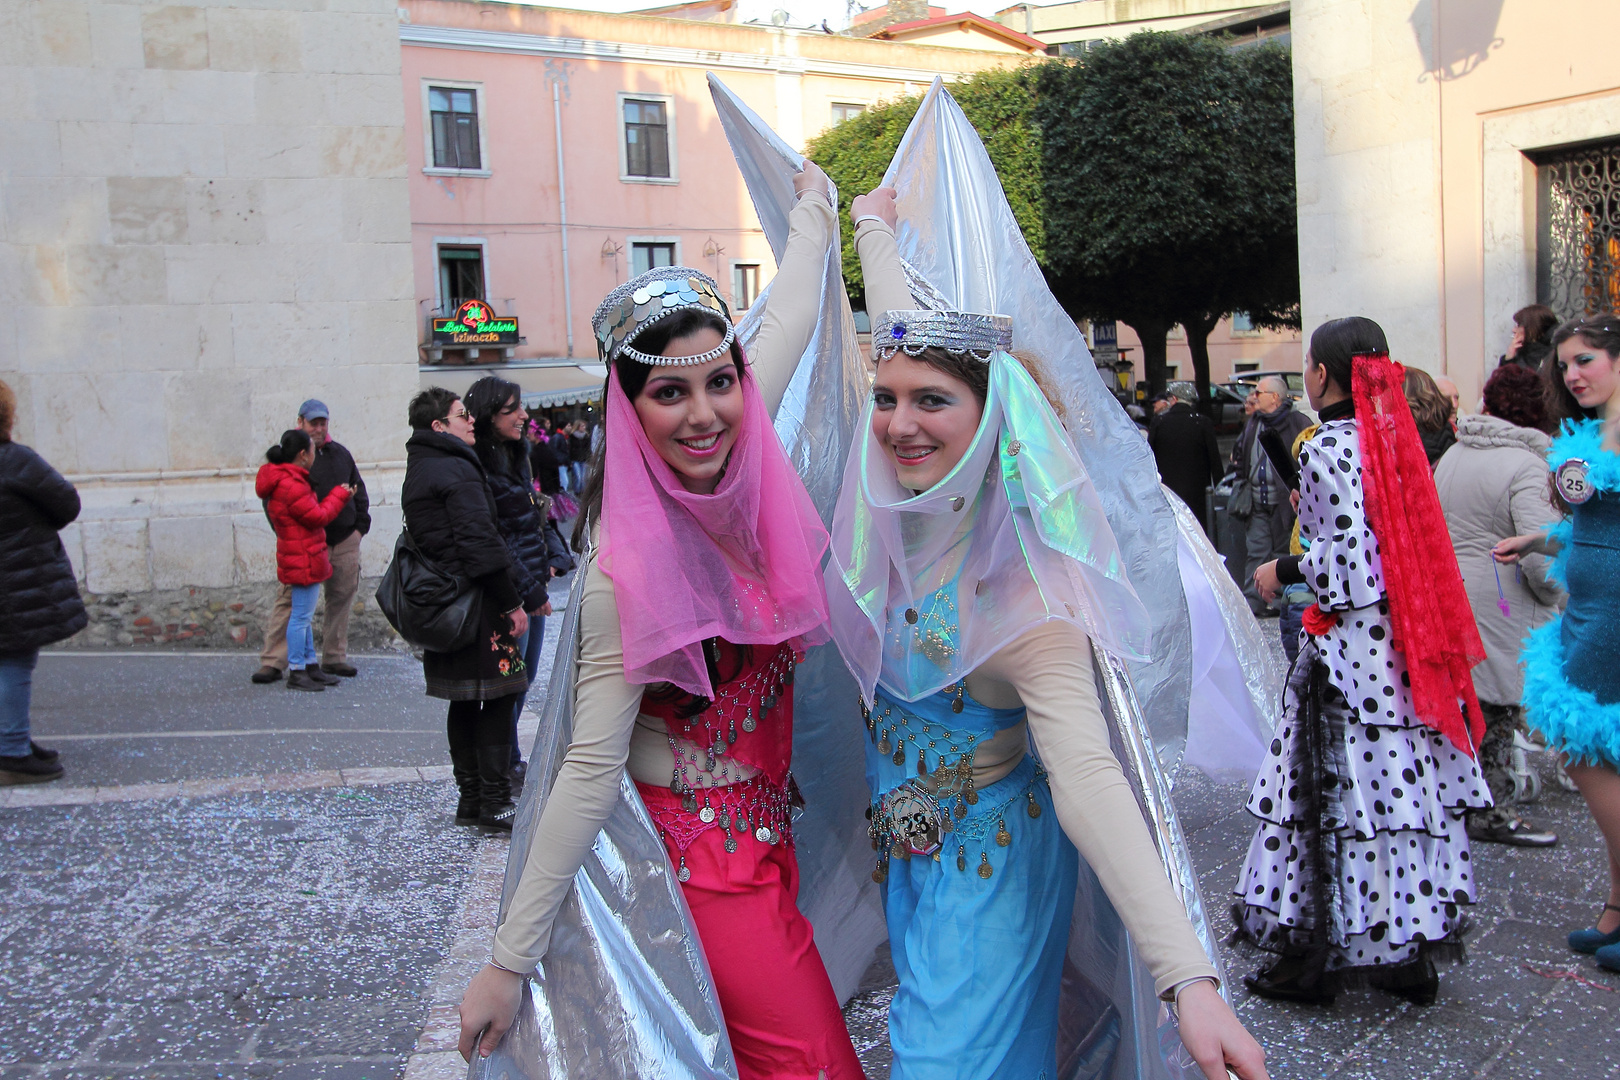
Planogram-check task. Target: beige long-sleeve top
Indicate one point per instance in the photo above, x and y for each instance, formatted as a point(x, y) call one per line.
point(1049, 672)
point(609, 733)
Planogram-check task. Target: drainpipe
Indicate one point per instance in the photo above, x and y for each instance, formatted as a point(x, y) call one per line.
point(562, 205)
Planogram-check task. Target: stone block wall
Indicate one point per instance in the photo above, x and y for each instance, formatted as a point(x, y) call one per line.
point(228, 617)
point(204, 220)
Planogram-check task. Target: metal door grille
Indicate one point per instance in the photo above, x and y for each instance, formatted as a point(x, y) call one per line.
point(1578, 212)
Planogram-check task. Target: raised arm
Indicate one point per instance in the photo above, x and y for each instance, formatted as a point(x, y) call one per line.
point(585, 792)
point(794, 305)
point(875, 219)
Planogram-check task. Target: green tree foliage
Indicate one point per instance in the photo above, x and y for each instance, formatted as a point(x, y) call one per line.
point(1168, 165)
point(1000, 106)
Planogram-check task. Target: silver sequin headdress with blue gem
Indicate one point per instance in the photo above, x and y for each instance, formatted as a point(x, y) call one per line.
point(661, 293)
point(910, 332)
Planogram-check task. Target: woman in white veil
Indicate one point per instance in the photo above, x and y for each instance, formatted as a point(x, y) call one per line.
point(972, 565)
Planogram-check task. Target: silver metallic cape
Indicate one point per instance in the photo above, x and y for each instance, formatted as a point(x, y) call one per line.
point(964, 249)
point(959, 234)
point(1237, 686)
point(625, 992)
point(816, 423)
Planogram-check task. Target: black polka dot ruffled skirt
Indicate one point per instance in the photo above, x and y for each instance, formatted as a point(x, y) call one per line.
point(1361, 859)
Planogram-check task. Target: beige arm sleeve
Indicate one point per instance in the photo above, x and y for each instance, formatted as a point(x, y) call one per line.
point(1050, 668)
point(794, 306)
point(587, 786)
point(886, 288)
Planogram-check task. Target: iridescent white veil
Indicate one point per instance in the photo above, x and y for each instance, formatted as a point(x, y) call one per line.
point(964, 251)
point(625, 993)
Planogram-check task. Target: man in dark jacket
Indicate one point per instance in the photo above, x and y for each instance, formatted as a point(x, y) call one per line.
point(39, 599)
point(334, 466)
point(1260, 499)
point(1183, 443)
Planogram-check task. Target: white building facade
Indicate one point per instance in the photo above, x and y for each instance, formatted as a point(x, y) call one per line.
point(205, 222)
point(1457, 160)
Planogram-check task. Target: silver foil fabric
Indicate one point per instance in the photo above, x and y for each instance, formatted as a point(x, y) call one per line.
point(959, 237)
point(624, 992)
point(958, 232)
point(816, 422)
point(1227, 733)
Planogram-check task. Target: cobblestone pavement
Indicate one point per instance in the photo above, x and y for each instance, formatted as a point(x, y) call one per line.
point(326, 932)
point(283, 934)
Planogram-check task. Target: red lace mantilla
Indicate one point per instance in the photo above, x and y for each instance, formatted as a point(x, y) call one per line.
point(1428, 609)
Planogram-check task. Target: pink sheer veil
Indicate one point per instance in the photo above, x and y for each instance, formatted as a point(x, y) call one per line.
point(743, 564)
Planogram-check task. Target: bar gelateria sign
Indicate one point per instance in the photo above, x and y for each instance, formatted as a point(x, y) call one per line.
point(474, 323)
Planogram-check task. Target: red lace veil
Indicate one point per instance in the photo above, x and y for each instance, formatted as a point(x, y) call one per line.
point(1428, 609)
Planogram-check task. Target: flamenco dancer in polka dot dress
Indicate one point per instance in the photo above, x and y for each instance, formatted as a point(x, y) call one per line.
point(1360, 866)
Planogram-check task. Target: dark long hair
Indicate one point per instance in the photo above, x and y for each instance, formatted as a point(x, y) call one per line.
point(1537, 321)
point(1337, 343)
point(293, 442)
point(633, 375)
point(485, 399)
point(1598, 331)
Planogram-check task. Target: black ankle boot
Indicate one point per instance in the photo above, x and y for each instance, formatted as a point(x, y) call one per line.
point(1417, 982)
point(1292, 978)
point(497, 810)
point(464, 766)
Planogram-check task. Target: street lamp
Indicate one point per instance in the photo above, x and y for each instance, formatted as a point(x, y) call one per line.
point(712, 250)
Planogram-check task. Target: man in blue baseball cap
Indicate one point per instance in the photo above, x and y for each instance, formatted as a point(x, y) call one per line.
point(334, 465)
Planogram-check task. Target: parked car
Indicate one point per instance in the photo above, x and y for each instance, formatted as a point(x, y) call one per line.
point(1227, 410)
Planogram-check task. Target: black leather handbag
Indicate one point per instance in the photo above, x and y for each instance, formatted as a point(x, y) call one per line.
point(429, 606)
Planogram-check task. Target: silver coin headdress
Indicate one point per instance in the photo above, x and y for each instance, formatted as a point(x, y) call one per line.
point(910, 332)
point(661, 293)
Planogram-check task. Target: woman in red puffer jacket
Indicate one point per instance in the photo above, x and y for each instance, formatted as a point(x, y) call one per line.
point(300, 521)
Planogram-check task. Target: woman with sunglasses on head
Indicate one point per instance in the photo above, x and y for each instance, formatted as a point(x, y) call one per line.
point(1360, 865)
point(1571, 683)
point(971, 564)
point(701, 588)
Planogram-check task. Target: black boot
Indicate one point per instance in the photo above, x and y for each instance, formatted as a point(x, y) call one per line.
point(464, 766)
point(497, 811)
point(1417, 982)
point(1293, 978)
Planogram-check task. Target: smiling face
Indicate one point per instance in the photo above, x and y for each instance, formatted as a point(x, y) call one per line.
point(693, 415)
point(315, 429)
point(1591, 375)
point(508, 421)
point(923, 418)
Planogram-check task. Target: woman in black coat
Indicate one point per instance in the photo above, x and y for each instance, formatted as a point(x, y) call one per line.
point(39, 599)
point(496, 407)
point(451, 516)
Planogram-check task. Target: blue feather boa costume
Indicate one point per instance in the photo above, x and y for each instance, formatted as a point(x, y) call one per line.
point(1572, 718)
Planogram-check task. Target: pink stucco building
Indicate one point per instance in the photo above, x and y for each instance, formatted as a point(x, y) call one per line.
point(646, 177)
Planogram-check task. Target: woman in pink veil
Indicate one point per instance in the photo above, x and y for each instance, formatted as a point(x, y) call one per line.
point(702, 587)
